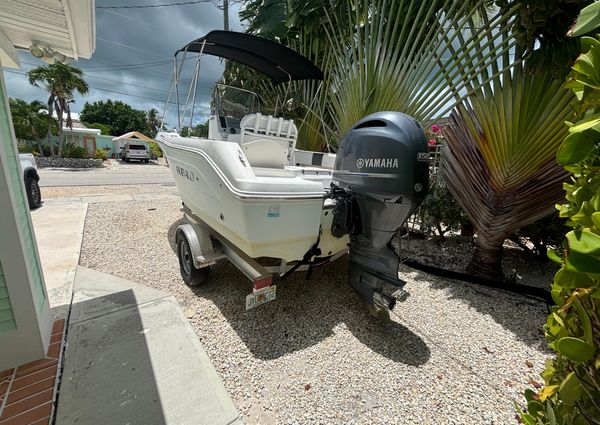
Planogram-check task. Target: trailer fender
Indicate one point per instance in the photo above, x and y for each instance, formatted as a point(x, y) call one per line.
point(203, 252)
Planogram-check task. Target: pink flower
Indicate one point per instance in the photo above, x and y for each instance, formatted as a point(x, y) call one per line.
point(432, 143)
point(435, 128)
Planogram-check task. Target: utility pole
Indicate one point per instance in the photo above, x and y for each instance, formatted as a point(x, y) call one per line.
point(226, 15)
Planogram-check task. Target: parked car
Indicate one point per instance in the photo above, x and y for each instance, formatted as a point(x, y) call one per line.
point(31, 178)
point(137, 151)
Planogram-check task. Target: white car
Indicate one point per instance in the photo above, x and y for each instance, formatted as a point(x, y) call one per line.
point(137, 151)
point(31, 178)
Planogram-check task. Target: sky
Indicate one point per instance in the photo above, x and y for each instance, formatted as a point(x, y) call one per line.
point(132, 37)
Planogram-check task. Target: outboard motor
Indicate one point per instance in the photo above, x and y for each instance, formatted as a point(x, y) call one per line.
point(381, 176)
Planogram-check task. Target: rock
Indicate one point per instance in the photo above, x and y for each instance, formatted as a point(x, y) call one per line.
point(56, 162)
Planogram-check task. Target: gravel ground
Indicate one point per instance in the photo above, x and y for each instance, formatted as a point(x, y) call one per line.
point(454, 353)
point(70, 191)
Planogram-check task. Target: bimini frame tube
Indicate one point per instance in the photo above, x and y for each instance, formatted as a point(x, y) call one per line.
point(162, 119)
point(194, 86)
point(177, 74)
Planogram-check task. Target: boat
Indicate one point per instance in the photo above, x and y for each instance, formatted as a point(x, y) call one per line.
point(248, 192)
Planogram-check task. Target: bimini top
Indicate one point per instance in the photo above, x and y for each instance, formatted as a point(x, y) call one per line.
point(275, 60)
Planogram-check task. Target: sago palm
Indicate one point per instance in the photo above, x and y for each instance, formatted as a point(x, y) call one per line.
point(61, 81)
point(499, 160)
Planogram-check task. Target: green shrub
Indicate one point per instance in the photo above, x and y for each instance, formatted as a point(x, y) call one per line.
point(542, 234)
point(24, 148)
point(72, 151)
point(572, 380)
point(440, 212)
point(101, 154)
point(155, 150)
point(104, 129)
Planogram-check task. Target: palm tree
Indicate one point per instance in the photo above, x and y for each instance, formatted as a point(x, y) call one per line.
point(420, 58)
point(31, 121)
point(153, 118)
point(61, 81)
point(500, 157)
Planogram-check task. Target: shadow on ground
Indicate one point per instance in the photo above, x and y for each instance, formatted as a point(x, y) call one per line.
point(108, 375)
point(521, 315)
point(291, 321)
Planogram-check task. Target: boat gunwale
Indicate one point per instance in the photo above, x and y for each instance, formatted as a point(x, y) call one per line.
point(242, 194)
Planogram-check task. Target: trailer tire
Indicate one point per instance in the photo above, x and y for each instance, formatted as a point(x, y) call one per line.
point(189, 273)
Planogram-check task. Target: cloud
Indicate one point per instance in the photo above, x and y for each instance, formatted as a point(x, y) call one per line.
point(138, 36)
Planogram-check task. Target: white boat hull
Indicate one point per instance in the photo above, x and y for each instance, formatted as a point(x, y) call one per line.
point(264, 212)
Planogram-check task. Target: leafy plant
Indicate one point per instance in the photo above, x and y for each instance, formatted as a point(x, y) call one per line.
point(155, 150)
point(101, 154)
point(499, 160)
point(572, 380)
point(73, 151)
point(31, 122)
point(423, 70)
point(61, 81)
point(104, 129)
point(440, 211)
point(118, 116)
point(199, 130)
point(540, 29)
point(542, 234)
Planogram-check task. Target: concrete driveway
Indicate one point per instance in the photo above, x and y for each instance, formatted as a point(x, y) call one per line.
point(59, 231)
point(116, 173)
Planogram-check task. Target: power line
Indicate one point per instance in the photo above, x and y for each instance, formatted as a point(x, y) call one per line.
point(115, 91)
point(135, 65)
point(131, 18)
point(107, 69)
point(146, 72)
point(107, 90)
point(147, 6)
point(129, 47)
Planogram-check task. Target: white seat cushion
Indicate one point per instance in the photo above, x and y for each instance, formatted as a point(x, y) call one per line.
point(266, 153)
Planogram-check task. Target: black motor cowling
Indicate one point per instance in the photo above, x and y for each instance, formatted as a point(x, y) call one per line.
point(381, 176)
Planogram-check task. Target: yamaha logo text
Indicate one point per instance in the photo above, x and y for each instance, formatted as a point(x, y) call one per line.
point(377, 162)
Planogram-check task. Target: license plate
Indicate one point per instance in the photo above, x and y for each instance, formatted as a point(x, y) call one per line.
point(260, 296)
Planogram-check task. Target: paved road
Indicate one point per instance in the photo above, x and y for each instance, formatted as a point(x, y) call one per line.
point(116, 174)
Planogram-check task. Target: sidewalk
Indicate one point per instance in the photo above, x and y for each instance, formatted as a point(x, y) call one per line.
point(59, 233)
point(131, 356)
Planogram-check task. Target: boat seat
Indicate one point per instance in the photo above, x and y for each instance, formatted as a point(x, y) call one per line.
point(257, 126)
point(266, 153)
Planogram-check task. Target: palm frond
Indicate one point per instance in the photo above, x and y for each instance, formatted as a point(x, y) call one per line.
point(421, 58)
point(499, 161)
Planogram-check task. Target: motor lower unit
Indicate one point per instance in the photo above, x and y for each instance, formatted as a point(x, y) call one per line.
point(381, 176)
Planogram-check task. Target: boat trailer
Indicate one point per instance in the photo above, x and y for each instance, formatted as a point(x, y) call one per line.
point(199, 247)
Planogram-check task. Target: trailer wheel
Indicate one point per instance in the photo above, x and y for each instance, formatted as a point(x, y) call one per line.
point(34, 194)
point(190, 274)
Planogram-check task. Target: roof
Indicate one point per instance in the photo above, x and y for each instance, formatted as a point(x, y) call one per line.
point(133, 135)
point(80, 130)
point(276, 61)
point(78, 124)
point(79, 127)
point(60, 29)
